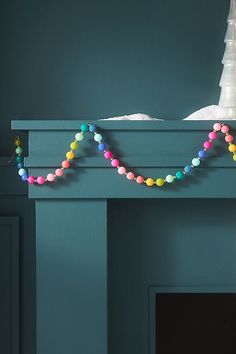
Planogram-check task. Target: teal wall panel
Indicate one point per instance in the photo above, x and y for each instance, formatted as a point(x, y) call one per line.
point(186, 243)
point(71, 277)
point(10, 285)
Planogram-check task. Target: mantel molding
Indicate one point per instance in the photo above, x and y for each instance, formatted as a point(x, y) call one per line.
point(152, 148)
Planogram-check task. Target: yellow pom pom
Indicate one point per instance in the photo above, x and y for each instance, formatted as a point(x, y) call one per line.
point(149, 182)
point(70, 155)
point(17, 142)
point(232, 148)
point(234, 157)
point(160, 182)
point(74, 145)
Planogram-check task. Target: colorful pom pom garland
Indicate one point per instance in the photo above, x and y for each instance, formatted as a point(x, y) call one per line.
point(116, 163)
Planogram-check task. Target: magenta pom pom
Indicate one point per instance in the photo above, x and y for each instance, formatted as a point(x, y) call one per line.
point(59, 172)
point(51, 177)
point(229, 138)
point(40, 180)
point(31, 179)
point(207, 145)
point(212, 135)
point(130, 176)
point(115, 163)
point(65, 164)
point(217, 126)
point(108, 155)
point(225, 129)
point(139, 179)
point(121, 170)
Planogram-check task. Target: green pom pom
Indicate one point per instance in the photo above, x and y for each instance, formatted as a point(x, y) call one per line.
point(19, 150)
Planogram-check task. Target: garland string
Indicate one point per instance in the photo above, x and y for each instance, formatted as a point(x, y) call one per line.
point(116, 163)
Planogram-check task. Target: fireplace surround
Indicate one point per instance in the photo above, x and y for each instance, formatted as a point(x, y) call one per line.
point(107, 247)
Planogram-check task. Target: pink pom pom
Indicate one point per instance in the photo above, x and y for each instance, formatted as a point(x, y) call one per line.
point(40, 180)
point(212, 135)
point(207, 145)
point(217, 126)
point(140, 179)
point(31, 179)
point(130, 176)
point(115, 163)
point(229, 138)
point(225, 129)
point(121, 170)
point(51, 177)
point(65, 164)
point(108, 155)
point(59, 172)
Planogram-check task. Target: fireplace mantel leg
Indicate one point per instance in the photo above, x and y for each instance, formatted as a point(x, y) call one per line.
point(71, 276)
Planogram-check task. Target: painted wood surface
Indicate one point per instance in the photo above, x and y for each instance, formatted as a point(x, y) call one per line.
point(71, 254)
point(174, 237)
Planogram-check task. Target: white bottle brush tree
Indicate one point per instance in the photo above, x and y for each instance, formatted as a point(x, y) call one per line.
point(228, 79)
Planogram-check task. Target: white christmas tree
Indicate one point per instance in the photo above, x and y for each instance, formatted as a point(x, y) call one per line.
point(228, 79)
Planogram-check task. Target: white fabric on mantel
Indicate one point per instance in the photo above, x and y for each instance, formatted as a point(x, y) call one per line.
point(137, 116)
point(208, 113)
point(212, 112)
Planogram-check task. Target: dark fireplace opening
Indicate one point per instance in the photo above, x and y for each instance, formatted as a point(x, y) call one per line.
point(195, 323)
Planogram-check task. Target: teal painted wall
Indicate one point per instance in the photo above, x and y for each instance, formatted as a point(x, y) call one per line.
point(81, 60)
point(88, 59)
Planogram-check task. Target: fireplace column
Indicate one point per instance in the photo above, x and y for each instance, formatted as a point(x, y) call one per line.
point(71, 251)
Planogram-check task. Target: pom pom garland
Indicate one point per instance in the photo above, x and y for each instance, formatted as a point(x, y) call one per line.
point(116, 163)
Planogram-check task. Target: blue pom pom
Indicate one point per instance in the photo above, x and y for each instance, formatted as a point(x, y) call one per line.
point(202, 153)
point(187, 169)
point(20, 165)
point(102, 147)
point(92, 128)
point(24, 178)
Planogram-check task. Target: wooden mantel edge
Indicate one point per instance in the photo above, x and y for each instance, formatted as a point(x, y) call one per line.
point(41, 125)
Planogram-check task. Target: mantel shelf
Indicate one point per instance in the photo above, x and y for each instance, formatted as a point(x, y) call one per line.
point(152, 148)
point(116, 125)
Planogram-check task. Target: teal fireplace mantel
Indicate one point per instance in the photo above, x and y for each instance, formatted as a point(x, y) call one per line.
point(102, 241)
point(152, 148)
